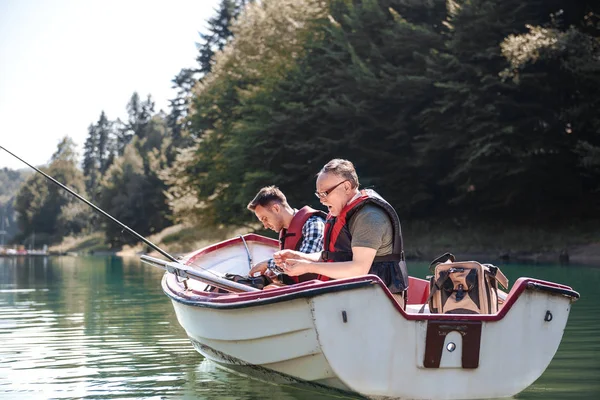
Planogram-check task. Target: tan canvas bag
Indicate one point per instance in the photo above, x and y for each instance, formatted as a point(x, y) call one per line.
point(466, 287)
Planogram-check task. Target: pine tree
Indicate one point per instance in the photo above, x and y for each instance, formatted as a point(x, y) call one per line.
point(254, 61)
point(91, 162)
point(105, 138)
point(218, 33)
point(132, 193)
point(123, 135)
point(46, 209)
point(139, 113)
point(484, 139)
point(354, 95)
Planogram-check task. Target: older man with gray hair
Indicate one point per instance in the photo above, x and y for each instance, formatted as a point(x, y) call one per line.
point(362, 233)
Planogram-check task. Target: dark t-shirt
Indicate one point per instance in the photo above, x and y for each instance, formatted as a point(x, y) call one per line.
point(371, 227)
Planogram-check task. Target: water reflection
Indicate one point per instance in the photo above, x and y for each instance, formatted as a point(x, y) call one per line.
point(85, 328)
point(209, 380)
point(100, 327)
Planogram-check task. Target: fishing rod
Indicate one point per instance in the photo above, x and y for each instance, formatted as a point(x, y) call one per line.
point(174, 267)
point(107, 215)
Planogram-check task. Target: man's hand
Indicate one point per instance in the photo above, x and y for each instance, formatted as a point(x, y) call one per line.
point(259, 269)
point(282, 256)
point(295, 267)
point(262, 268)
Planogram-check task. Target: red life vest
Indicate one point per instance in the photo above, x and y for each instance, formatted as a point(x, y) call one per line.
point(291, 238)
point(333, 228)
point(338, 241)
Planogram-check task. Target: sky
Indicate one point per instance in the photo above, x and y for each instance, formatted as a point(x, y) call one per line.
point(63, 62)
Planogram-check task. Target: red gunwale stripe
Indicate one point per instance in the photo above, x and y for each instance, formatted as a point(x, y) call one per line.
point(519, 287)
point(177, 290)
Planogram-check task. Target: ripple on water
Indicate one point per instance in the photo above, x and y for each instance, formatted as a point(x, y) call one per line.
point(96, 328)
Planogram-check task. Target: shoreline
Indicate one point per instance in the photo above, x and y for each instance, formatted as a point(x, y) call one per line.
point(424, 242)
point(586, 255)
point(583, 254)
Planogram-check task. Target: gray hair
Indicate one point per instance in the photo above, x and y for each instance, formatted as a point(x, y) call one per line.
point(342, 168)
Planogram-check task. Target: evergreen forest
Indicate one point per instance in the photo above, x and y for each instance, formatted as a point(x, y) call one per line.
point(456, 111)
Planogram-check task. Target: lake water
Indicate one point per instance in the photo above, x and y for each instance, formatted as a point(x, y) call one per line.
point(101, 328)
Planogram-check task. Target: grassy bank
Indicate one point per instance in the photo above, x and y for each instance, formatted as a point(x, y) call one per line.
point(82, 244)
point(176, 240)
point(423, 240)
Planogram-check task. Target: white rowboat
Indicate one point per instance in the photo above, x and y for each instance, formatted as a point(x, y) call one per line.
point(352, 335)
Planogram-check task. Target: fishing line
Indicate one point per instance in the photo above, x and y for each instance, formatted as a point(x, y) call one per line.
point(107, 215)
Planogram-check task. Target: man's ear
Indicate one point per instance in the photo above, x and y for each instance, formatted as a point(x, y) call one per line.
point(347, 188)
point(276, 208)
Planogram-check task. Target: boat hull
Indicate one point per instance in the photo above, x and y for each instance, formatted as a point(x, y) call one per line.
point(393, 350)
point(352, 335)
point(249, 341)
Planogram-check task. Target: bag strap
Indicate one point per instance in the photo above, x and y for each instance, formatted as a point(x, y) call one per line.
point(436, 286)
point(497, 274)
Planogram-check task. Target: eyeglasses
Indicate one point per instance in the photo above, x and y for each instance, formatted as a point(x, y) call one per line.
point(325, 193)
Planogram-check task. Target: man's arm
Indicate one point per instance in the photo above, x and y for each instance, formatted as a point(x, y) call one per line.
point(362, 259)
point(283, 256)
point(368, 228)
point(312, 242)
point(311, 246)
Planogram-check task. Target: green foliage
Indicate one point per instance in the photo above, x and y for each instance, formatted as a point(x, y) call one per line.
point(500, 146)
point(121, 195)
point(10, 182)
point(475, 108)
point(121, 165)
point(131, 190)
point(217, 35)
point(284, 110)
point(559, 56)
point(98, 152)
point(212, 180)
point(45, 208)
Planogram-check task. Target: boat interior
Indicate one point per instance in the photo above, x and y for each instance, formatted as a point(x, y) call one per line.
point(237, 255)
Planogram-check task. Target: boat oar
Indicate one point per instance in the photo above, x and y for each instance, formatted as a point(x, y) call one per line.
point(174, 266)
